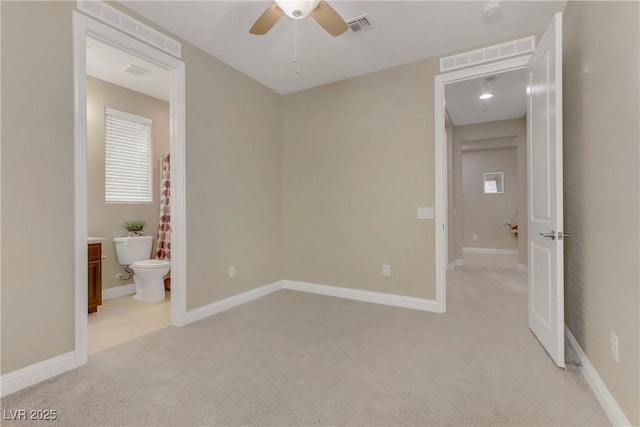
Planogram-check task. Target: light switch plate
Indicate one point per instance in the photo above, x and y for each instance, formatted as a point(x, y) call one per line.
point(426, 213)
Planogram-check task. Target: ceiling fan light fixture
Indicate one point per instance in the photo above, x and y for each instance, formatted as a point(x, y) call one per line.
point(485, 96)
point(297, 9)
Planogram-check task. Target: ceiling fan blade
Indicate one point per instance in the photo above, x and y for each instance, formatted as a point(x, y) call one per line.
point(329, 19)
point(267, 20)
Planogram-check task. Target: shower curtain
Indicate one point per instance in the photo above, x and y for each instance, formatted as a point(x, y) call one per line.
point(163, 240)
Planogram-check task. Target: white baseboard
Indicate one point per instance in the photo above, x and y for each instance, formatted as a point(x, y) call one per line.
point(488, 257)
point(38, 372)
point(234, 301)
point(604, 396)
point(41, 371)
point(354, 294)
point(366, 296)
point(119, 291)
point(490, 251)
point(460, 262)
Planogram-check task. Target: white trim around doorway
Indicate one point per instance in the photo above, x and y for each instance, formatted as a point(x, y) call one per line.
point(82, 27)
point(440, 81)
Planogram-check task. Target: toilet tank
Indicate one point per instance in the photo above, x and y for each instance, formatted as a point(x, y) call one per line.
point(132, 249)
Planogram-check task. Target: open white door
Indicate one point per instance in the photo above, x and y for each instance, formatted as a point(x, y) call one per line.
point(544, 150)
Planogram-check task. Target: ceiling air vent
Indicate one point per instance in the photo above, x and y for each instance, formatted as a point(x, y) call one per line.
point(489, 53)
point(356, 25)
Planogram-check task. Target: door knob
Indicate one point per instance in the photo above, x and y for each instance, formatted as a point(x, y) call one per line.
point(551, 235)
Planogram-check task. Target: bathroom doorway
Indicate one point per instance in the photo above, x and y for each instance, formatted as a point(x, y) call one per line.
point(125, 93)
point(93, 93)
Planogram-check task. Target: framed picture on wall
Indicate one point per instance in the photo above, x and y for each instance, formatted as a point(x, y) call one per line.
point(493, 183)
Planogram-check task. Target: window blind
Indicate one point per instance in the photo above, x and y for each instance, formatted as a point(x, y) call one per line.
point(127, 158)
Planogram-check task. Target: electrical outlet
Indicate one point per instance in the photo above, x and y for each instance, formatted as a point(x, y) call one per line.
point(232, 271)
point(386, 270)
point(614, 348)
point(475, 237)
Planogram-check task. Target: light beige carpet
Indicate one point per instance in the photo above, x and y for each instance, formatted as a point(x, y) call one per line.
point(299, 359)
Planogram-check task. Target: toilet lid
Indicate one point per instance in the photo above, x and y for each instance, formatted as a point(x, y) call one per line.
point(149, 264)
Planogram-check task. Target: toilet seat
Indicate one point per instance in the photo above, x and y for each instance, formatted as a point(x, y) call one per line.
point(151, 264)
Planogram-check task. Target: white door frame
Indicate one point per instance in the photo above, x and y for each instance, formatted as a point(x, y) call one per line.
point(441, 213)
point(82, 27)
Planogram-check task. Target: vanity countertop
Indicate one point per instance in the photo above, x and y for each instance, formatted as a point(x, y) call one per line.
point(95, 240)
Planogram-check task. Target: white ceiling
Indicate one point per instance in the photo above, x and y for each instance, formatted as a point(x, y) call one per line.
point(509, 98)
point(107, 63)
point(402, 32)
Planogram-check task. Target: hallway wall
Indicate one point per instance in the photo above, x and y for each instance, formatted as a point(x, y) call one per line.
point(602, 190)
point(484, 215)
point(515, 129)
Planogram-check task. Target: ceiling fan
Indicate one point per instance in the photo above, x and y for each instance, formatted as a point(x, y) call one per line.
point(319, 10)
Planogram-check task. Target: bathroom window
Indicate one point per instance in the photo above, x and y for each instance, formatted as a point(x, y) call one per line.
point(127, 143)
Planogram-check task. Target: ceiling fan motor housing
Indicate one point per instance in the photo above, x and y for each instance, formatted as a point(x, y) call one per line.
point(297, 9)
point(319, 10)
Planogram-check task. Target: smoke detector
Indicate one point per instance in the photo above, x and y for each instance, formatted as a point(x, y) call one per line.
point(492, 8)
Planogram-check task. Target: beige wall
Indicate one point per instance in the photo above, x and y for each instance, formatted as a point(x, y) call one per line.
point(234, 181)
point(105, 219)
point(358, 161)
point(234, 178)
point(37, 183)
point(602, 188)
point(348, 162)
point(234, 196)
point(485, 214)
point(481, 133)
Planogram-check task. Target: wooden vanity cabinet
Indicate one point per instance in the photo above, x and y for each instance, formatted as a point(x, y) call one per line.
point(95, 276)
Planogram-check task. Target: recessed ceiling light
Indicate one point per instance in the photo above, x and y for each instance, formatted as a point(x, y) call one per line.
point(486, 96)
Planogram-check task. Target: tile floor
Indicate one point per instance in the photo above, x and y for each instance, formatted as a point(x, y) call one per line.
point(121, 319)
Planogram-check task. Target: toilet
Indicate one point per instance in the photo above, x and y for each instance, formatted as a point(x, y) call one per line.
point(133, 254)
